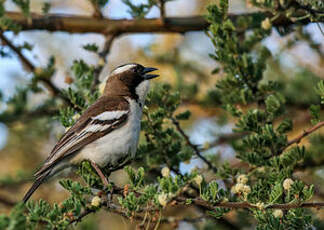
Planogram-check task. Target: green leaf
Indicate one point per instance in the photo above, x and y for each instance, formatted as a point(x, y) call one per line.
point(315, 113)
point(91, 47)
point(23, 5)
point(184, 115)
point(319, 89)
point(46, 7)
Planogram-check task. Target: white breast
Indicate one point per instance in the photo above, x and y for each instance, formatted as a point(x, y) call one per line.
point(117, 144)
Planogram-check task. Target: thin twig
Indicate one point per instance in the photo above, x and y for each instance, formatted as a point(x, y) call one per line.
point(162, 10)
point(109, 41)
point(97, 12)
point(25, 62)
point(194, 147)
point(199, 203)
point(307, 8)
point(298, 139)
point(31, 68)
point(305, 134)
point(224, 138)
point(103, 57)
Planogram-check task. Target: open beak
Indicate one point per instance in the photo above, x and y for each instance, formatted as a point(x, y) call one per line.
point(149, 76)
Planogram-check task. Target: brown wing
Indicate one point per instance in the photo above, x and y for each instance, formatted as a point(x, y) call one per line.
point(101, 118)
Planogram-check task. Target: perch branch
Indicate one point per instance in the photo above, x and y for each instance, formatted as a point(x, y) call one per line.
point(198, 202)
point(83, 24)
point(239, 205)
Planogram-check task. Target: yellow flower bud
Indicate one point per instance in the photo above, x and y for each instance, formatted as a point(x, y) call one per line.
point(206, 145)
point(266, 24)
point(278, 213)
point(96, 201)
point(242, 179)
point(101, 62)
point(76, 116)
point(165, 172)
point(198, 179)
point(163, 199)
point(246, 189)
point(38, 71)
point(287, 184)
point(260, 205)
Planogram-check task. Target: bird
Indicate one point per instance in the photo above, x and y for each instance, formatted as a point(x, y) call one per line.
point(107, 133)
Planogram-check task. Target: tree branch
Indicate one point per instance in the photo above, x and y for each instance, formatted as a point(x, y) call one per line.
point(225, 138)
point(305, 134)
point(194, 147)
point(237, 205)
point(83, 24)
point(298, 139)
point(26, 116)
point(109, 41)
point(103, 56)
point(31, 68)
point(162, 9)
point(201, 204)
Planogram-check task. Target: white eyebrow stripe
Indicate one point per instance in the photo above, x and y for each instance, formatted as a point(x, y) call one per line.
point(122, 69)
point(110, 115)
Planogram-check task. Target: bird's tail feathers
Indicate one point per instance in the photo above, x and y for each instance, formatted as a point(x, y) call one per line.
point(39, 180)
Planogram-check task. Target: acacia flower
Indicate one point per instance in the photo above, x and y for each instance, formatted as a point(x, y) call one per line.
point(277, 213)
point(260, 205)
point(198, 179)
point(266, 24)
point(163, 199)
point(242, 179)
point(246, 189)
point(96, 201)
point(239, 187)
point(287, 183)
point(165, 172)
point(76, 116)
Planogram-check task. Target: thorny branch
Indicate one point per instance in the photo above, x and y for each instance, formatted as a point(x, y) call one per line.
point(83, 24)
point(225, 138)
point(194, 147)
point(244, 205)
point(305, 134)
point(301, 136)
point(198, 202)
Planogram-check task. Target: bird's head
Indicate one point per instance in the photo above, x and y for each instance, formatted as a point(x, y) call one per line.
point(130, 80)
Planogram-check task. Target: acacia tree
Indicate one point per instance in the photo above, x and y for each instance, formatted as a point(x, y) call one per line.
point(262, 189)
